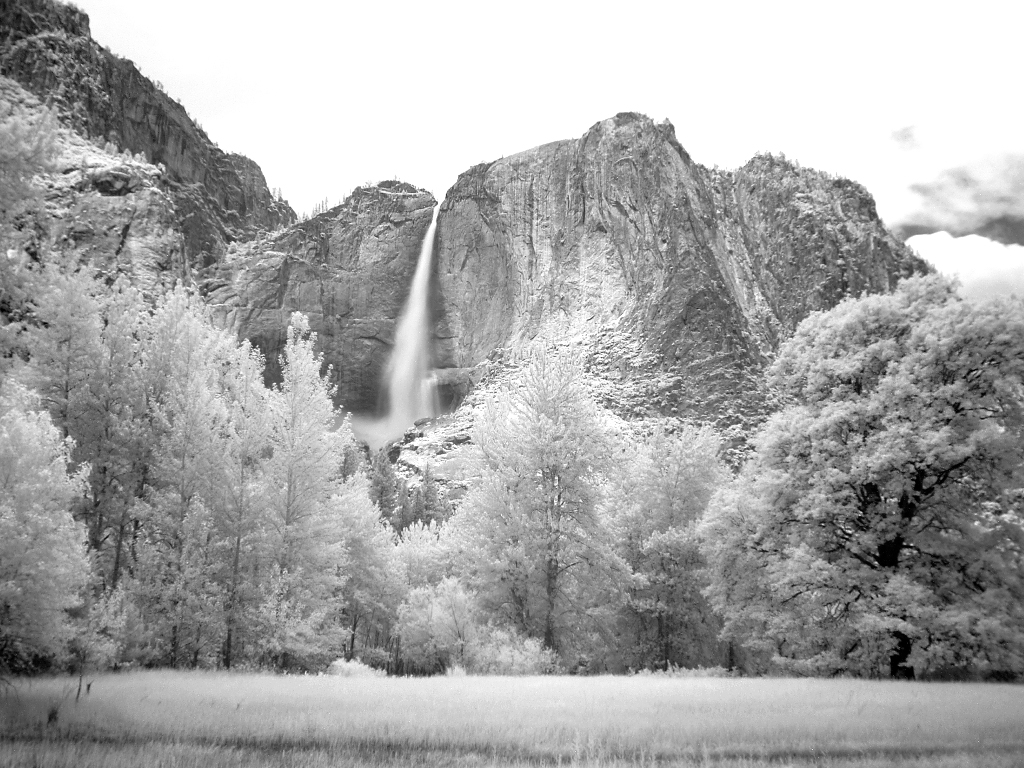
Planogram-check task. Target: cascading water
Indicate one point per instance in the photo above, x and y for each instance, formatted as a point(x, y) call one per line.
point(411, 388)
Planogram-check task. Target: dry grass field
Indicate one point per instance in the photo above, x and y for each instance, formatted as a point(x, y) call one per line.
point(177, 719)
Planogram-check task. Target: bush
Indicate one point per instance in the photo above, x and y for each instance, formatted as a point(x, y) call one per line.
point(440, 632)
point(378, 658)
point(434, 626)
point(496, 651)
point(674, 671)
point(344, 668)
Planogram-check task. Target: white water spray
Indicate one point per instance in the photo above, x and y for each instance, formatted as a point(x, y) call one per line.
point(411, 388)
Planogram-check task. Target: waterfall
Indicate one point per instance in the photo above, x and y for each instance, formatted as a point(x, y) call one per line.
point(411, 387)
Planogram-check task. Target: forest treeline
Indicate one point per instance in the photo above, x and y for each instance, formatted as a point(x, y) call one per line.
point(161, 506)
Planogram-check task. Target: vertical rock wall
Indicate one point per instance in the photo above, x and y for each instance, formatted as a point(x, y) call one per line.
point(47, 48)
point(679, 282)
point(349, 269)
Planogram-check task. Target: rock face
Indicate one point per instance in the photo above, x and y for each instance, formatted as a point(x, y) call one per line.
point(349, 269)
point(102, 208)
point(677, 282)
point(219, 198)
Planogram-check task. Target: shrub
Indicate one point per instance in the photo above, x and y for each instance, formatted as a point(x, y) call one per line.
point(440, 632)
point(434, 626)
point(344, 668)
point(497, 651)
point(674, 671)
point(378, 658)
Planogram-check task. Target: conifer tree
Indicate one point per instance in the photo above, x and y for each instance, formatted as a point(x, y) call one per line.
point(385, 491)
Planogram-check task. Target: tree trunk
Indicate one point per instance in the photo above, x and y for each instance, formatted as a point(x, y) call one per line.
point(227, 646)
point(898, 668)
point(551, 588)
point(118, 545)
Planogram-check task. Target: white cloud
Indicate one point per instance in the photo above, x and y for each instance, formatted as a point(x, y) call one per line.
point(985, 267)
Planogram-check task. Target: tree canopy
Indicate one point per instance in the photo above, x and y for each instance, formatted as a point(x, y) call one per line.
point(539, 549)
point(878, 528)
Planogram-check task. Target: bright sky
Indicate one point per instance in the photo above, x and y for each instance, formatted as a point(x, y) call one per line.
point(326, 96)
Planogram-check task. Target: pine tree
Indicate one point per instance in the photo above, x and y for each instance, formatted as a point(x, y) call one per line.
point(384, 485)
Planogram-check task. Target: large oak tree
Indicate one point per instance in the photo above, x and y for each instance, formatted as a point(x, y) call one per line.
point(878, 528)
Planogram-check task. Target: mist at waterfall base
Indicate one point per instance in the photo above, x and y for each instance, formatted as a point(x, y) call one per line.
point(409, 383)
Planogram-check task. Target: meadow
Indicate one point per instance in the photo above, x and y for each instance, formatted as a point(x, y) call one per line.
point(177, 719)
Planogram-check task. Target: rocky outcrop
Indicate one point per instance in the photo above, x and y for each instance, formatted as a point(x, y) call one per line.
point(104, 209)
point(349, 269)
point(220, 198)
point(677, 281)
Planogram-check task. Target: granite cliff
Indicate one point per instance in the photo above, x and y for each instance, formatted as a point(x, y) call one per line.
point(96, 206)
point(348, 269)
point(677, 281)
point(218, 198)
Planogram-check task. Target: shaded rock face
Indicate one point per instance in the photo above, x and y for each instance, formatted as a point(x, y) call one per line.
point(677, 281)
point(349, 269)
point(99, 208)
point(220, 198)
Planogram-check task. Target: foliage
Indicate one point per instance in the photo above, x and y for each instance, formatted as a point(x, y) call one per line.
point(435, 625)
point(103, 635)
point(384, 485)
point(27, 148)
point(502, 651)
point(878, 529)
point(374, 585)
point(42, 550)
point(536, 546)
point(425, 552)
point(226, 522)
point(305, 538)
point(656, 503)
point(87, 363)
point(441, 629)
point(346, 668)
